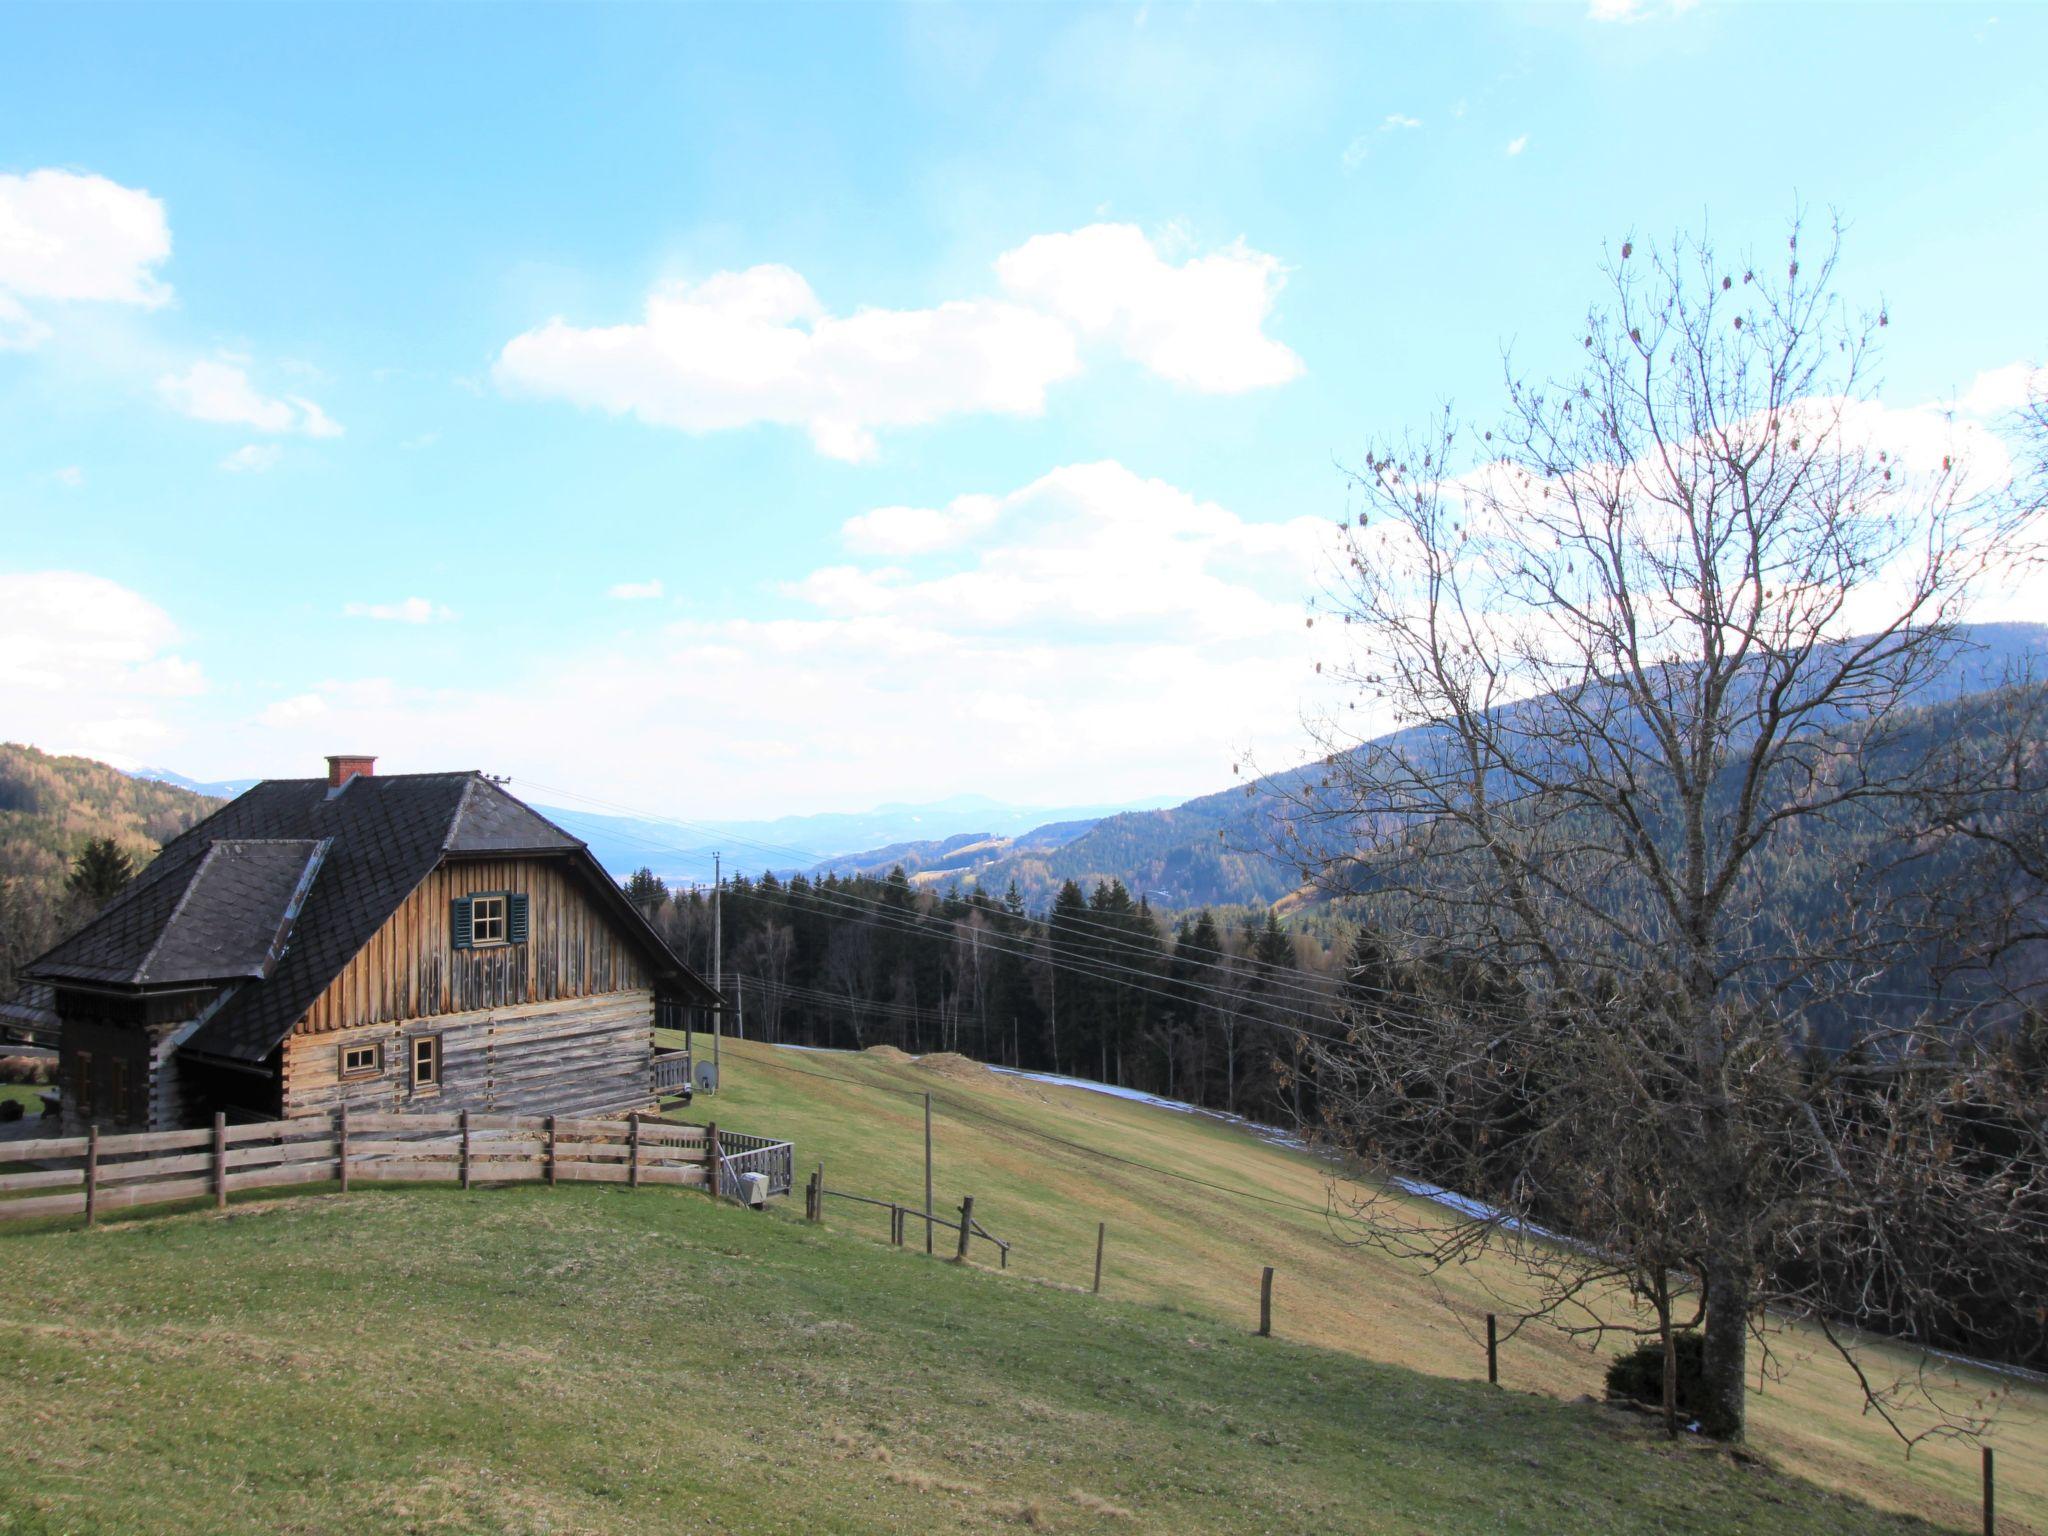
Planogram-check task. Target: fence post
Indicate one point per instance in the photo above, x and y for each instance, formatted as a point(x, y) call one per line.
point(465, 1149)
point(551, 1149)
point(820, 1177)
point(1492, 1349)
point(220, 1160)
point(711, 1139)
point(92, 1173)
point(1990, 1498)
point(896, 1226)
point(966, 1228)
point(1266, 1303)
point(1101, 1233)
point(633, 1154)
point(341, 1146)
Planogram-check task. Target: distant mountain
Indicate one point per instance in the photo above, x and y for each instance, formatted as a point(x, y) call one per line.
point(217, 789)
point(681, 852)
point(1196, 854)
point(929, 863)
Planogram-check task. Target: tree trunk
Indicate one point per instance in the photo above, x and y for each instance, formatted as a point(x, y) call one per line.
point(1670, 1353)
point(1724, 1368)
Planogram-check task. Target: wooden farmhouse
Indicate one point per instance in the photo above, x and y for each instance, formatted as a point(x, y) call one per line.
point(406, 942)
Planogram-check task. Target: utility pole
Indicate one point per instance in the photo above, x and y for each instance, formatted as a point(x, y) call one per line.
point(927, 1173)
point(717, 960)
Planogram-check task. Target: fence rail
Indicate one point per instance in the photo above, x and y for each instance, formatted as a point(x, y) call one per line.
point(901, 1215)
point(93, 1173)
point(671, 1070)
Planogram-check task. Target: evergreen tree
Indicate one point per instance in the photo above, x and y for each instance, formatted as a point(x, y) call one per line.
point(100, 872)
point(646, 890)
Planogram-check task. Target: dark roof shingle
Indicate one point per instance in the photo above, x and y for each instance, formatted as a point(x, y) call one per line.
point(217, 894)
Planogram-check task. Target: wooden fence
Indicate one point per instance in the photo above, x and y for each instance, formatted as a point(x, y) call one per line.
point(92, 1174)
point(901, 1215)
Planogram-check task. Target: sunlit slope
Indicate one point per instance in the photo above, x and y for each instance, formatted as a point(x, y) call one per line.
point(1038, 1160)
point(591, 1359)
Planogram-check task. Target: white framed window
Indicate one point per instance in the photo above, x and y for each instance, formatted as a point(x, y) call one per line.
point(487, 919)
point(426, 1061)
point(362, 1060)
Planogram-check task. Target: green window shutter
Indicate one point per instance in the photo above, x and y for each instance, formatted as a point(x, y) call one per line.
point(458, 922)
point(515, 917)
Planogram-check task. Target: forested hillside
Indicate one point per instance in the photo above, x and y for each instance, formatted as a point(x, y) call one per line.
point(1214, 849)
point(50, 808)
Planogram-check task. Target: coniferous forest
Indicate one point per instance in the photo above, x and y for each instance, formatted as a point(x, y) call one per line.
point(1211, 1007)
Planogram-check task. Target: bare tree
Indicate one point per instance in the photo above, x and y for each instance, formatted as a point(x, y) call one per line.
point(767, 953)
point(1666, 623)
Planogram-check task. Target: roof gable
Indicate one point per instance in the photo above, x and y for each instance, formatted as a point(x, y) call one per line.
point(214, 898)
point(227, 913)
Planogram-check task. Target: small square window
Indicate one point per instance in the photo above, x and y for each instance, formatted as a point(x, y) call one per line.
point(426, 1061)
point(487, 919)
point(362, 1060)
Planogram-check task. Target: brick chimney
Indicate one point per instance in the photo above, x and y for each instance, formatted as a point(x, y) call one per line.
point(345, 766)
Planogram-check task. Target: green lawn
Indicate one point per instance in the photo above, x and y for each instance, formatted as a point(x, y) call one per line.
point(590, 1359)
point(28, 1097)
point(1180, 1244)
point(594, 1359)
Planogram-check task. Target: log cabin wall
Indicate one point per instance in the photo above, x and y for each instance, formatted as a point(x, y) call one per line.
point(572, 1056)
point(412, 970)
point(562, 1023)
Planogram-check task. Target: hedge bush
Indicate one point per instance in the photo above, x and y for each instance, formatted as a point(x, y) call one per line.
point(1639, 1374)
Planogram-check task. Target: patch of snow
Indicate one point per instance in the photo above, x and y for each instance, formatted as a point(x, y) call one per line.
point(1272, 1134)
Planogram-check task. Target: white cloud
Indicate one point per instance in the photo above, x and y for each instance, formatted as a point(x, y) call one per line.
point(1088, 547)
point(296, 710)
point(88, 665)
point(1201, 323)
point(2001, 391)
point(71, 477)
point(218, 389)
point(1092, 634)
point(1359, 150)
point(1518, 144)
point(919, 530)
point(412, 610)
point(71, 238)
point(635, 591)
point(756, 346)
point(252, 459)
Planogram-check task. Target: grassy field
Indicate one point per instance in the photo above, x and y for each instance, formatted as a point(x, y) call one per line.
point(589, 1359)
point(1178, 1244)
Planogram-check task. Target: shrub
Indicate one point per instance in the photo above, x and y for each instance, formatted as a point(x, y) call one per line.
point(1639, 1374)
point(10, 1109)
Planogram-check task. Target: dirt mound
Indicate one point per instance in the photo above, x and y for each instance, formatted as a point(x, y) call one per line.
point(888, 1053)
point(952, 1064)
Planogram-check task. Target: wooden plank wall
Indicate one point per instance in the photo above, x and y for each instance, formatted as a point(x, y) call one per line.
point(562, 1057)
point(410, 969)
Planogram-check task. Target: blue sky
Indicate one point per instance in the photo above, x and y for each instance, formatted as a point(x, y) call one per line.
point(999, 370)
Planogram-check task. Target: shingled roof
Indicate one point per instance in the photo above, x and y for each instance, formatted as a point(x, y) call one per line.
point(281, 887)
